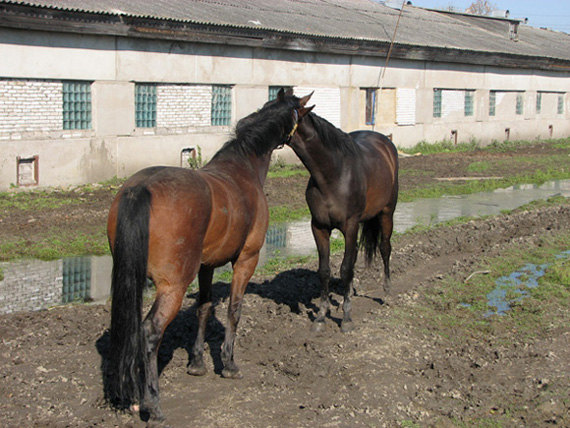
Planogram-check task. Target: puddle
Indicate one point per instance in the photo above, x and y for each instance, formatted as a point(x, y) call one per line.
point(514, 287)
point(34, 284)
point(437, 210)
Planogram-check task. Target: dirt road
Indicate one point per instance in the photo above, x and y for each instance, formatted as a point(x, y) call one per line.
point(389, 372)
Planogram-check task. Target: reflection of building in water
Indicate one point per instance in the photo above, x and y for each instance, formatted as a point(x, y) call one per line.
point(29, 285)
point(293, 238)
point(35, 284)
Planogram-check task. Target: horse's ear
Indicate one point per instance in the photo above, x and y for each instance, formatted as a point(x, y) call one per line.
point(303, 101)
point(303, 111)
point(289, 92)
point(281, 95)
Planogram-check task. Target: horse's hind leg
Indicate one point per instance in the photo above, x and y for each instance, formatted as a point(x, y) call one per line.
point(243, 267)
point(166, 306)
point(322, 239)
point(347, 272)
point(197, 367)
point(387, 225)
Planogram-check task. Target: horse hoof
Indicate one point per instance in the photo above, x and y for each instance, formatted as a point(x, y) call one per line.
point(196, 370)
point(232, 374)
point(347, 326)
point(387, 286)
point(154, 416)
point(318, 326)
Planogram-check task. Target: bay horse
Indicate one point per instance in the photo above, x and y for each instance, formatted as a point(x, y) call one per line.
point(170, 224)
point(354, 180)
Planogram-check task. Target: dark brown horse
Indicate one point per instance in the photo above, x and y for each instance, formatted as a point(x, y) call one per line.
point(354, 180)
point(169, 224)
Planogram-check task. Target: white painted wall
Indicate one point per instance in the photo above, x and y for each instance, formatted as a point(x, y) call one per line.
point(116, 147)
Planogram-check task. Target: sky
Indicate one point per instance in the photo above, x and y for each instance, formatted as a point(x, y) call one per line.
point(553, 14)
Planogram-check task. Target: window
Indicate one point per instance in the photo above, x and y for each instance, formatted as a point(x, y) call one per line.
point(273, 90)
point(468, 109)
point(538, 102)
point(492, 102)
point(76, 105)
point(370, 110)
point(560, 109)
point(437, 102)
point(221, 105)
point(145, 105)
point(520, 103)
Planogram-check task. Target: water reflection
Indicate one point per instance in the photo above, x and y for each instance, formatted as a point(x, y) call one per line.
point(34, 284)
point(514, 287)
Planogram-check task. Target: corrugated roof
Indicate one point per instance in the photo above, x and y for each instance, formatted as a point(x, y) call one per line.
point(344, 19)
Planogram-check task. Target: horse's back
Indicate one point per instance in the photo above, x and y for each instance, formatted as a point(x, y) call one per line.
point(179, 217)
point(240, 214)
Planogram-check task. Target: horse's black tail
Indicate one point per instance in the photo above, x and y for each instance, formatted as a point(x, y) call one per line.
point(130, 254)
point(370, 237)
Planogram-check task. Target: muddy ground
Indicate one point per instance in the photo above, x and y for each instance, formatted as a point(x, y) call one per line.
point(384, 373)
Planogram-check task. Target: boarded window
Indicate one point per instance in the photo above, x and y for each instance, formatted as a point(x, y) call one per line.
point(221, 105)
point(406, 106)
point(76, 105)
point(145, 105)
point(326, 100)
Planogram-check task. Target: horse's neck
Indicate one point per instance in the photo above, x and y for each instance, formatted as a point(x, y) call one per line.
point(253, 166)
point(325, 167)
point(260, 165)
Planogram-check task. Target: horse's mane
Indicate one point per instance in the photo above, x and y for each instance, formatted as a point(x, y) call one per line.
point(331, 136)
point(259, 132)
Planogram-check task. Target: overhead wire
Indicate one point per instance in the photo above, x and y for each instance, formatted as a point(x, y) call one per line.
point(381, 73)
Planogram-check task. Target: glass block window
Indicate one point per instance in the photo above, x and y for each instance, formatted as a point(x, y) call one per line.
point(273, 90)
point(437, 102)
point(370, 111)
point(520, 103)
point(468, 108)
point(560, 109)
point(221, 105)
point(145, 105)
point(538, 102)
point(492, 103)
point(76, 105)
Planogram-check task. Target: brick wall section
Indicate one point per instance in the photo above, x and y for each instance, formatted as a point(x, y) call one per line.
point(183, 105)
point(30, 106)
point(30, 285)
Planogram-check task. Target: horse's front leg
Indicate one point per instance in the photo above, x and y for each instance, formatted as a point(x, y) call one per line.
point(322, 239)
point(197, 367)
point(243, 268)
point(347, 271)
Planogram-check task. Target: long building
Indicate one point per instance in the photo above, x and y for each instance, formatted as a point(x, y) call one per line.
point(93, 89)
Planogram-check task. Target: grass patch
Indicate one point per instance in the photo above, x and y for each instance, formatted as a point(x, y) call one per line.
point(445, 146)
point(283, 170)
point(474, 186)
point(478, 166)
point(457, 311)
point(283, 213)
point(55, 247)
